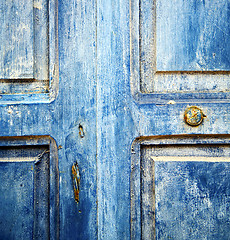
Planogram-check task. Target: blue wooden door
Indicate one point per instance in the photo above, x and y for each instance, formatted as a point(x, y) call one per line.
point(98, 139)
point(180, 81)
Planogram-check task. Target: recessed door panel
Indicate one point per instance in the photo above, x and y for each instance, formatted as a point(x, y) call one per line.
point(191, 194)
point(192, 35)
point(192, 199)
point(16, 34)
point(28, 50)
point(28, 189)
point(17, 200)
point(24, 192)
point(180, 47)
point(184, 190)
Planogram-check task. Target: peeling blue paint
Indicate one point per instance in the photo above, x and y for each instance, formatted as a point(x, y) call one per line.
point(108, 84)
point(192, 200)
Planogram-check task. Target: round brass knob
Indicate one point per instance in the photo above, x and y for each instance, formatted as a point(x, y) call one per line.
point(193, 116)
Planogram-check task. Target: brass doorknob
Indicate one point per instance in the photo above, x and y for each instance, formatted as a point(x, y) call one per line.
point(193, 116)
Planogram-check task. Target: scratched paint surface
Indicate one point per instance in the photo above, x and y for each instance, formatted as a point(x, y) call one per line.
point(183, 46)
point(95, 92)
point(16, 36)
point(192, 200)
point(16, 188)
point(28, 50)
point(192, 35)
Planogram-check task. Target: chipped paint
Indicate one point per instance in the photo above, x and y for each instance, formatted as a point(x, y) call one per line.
point(37, 4)
point(190, 159)
point(95, 89)
point(171, 102)
point(40, 156)
point(10, 110)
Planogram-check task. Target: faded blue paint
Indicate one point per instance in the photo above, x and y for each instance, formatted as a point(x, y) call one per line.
point(96, 92)
point(76, 104)
point(177, 184)
point(16, 219)
point(192, 35)
point(29, 51)
point(192, 200)
point(16, 36)
point(180, 47)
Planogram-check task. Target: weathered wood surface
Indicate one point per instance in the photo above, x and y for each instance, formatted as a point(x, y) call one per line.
point(16, 36)
point(29, 51)
point(192, 35)
point(95, 91)
point(76, 105)
point(29, 188)
point(191, 190)
point(24, 40)
point(182, 41)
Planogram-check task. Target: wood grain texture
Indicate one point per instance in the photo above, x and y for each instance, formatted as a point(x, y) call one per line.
point(183, 47)
point(115, 120)
point(99, 90)
point(76, 104)
point(29, 51)
point(16, 36)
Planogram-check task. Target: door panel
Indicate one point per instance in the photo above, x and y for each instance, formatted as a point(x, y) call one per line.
point(130, 107)
point(14, 224)
point(26, 111)
point(192, 36)
point(28, 189)
point(180, 47)
point(16, 58)
point(184, 189)
point(192, 199)
point(31, 109)
point(28, 51)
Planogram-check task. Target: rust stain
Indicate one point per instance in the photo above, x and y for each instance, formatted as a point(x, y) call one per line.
point(76, 181)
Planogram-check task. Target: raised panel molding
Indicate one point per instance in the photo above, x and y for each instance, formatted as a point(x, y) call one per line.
point(185, 170)
point(180, 51)
point(29, 186)
point(28, 51)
